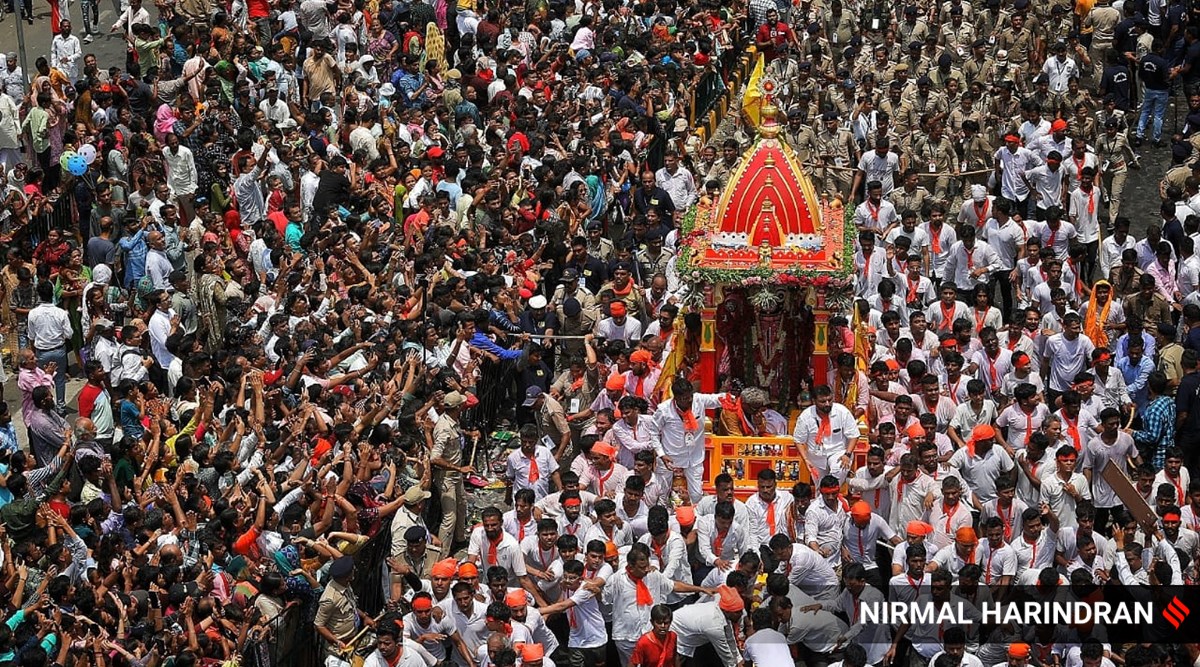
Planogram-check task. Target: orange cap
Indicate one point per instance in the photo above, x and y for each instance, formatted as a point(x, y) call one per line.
point(422, 604)
point(468, 570)
point(685, 515)
point(615, 382)
point(640, 356)
point(860, 510)
point(610, 550)
point(1018, 650)
point(918, 528)
point(604, 449)
point(532, 652)
point(966, 535)
point(516, 598)
point(915, 431)
point(617, 308)
point(444, 568)
point(728, 599)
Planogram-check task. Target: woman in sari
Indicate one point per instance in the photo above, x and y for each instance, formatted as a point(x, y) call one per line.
point(68, 290)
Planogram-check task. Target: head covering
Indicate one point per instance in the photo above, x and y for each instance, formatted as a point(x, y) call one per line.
point(965, 535)
point(728, 599)
point(604, 449)
point(918, 528)
point(978, 192)
point(532, 652)
point(1018, 650)
point(915, 431)
point(610, 550)
point(453, 399)
point(860, 510)
point(422, 604)
point(640, 357)
point(444, 568)
point(572, 502)
point(516, 598)
point(1058, 125)
point(981, 432)
point(468, 570)
point(685, 515)
point(615, 382)
point(415, 534)
point(342, 567)
point(414, 495)
point(617, 308)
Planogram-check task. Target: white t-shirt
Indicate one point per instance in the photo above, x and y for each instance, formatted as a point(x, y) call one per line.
point(768, 647)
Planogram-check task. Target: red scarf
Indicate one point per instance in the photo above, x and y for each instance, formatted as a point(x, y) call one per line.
point(534, 475)
point(493, 545)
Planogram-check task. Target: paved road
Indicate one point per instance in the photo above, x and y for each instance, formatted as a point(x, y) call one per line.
point(108, 47)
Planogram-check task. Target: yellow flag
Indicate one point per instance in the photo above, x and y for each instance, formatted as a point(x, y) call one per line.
point(752, 100)
point(862, 345)
point(673, 362)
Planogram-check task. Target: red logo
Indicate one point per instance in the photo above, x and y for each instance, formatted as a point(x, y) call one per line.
point(1176, 613)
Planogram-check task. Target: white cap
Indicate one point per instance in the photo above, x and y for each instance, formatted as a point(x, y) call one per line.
point(978, 192)
point(537, 301)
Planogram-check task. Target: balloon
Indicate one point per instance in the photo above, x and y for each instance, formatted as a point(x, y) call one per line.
point(64, 158)
point(77, 166)
point(88, 152)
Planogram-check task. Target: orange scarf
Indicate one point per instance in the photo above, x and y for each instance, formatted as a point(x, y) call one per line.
point(689, 420)
point(771, 517)
point(1073, 431)
point(644, 599)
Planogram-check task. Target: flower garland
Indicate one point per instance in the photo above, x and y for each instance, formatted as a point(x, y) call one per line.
point(759, 276)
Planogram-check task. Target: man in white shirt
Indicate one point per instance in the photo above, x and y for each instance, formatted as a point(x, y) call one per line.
point(1065, 355)
point(420, 623)
point(489, 545)
point(863, 531)
point(767, 510)
point(679, 427)
point(825, 520)
point(394, 649)
point(1066, 487)
point(162, 323)
point(49, 331)
point(65, 51)
point(981, 462)
point(634, 592)
point(875, 213)
point(677, 181)
point(711, 623)
point(806, 569)
point(719, 537)
point(181, 171)
point(1047, 182)
point(532, 465)
point(970, 264)
point(766, 645)
point(880, 165)
point(1012, 161)
point(587, 637)
point(825, 432)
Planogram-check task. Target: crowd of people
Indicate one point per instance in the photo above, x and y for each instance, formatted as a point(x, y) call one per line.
point(327, 269)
